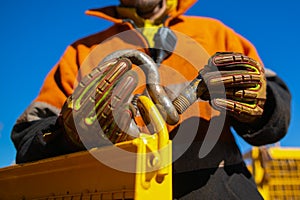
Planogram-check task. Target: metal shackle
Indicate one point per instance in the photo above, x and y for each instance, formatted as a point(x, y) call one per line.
point(155, 90)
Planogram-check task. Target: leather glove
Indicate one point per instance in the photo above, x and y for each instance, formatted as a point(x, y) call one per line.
point(236, 83)
point(97, 113)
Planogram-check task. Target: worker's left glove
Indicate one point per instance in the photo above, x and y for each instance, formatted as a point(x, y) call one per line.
point(236, 83)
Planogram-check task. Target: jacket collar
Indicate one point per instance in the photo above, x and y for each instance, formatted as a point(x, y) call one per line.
point(110, 13)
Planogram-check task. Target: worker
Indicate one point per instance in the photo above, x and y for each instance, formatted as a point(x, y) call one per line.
point(256, 104)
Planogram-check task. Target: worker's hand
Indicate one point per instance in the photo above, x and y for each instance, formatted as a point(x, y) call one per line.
point(236, 83)
point(98, 111)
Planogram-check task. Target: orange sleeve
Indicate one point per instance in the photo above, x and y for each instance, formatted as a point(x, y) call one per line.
point(59, 83)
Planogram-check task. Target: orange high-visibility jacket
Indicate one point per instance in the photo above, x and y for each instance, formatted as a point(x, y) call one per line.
point(198, 38)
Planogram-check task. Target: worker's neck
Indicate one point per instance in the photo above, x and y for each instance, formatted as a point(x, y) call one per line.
point(155, 13)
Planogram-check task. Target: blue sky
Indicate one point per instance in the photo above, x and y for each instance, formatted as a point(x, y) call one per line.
point(34, 34)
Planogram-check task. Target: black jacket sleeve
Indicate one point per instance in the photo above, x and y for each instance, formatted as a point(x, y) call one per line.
point(29, 141)
point(274, 123)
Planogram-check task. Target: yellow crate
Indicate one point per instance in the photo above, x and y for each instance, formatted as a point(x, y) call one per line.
point(276, 171)
point(146, 171)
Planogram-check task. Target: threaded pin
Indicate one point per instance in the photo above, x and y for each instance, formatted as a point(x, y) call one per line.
point(181, 104)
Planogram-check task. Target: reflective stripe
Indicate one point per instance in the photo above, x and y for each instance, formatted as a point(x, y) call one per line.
point(269, 73)
point(37, 111)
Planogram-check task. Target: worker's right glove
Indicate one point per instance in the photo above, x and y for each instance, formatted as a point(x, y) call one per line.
point(236, 83)
point(98, 112)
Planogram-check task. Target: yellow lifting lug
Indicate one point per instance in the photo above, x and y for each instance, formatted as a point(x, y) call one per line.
point(154, 159)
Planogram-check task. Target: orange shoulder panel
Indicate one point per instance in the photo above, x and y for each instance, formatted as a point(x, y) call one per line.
point(214, 36)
